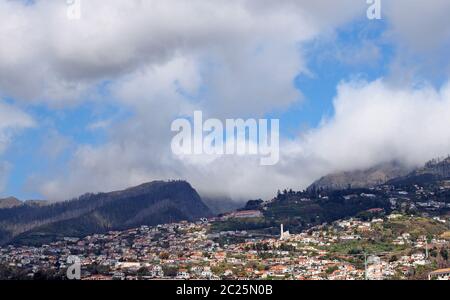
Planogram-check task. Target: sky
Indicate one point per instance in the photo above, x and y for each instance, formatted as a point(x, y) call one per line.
point(86, 103)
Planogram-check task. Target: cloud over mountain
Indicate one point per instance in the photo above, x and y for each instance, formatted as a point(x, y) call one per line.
point(160, 59)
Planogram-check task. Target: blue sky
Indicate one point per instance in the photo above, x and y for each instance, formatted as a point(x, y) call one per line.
point(318, 89)
point(102, 90)
point(26, 153)
point(327, 71)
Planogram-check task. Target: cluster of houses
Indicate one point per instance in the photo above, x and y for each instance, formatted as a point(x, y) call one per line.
point(188, 251)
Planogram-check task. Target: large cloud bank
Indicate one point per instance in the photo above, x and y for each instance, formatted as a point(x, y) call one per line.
point(165, 58)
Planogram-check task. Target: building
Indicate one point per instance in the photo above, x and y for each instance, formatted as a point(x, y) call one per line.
point(442, 274)
point(244, 214)
point(284, 235)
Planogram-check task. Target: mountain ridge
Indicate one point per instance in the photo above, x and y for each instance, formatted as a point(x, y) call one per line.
point(151, 203)
point(9, 202)
point(365, 178)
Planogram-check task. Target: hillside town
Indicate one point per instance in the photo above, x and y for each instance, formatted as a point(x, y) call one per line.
point(349, 249)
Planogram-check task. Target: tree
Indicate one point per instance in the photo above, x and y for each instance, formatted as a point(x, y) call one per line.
point(330, 270)
point(143, 271)
point(170, 271)
point(444, 254)
point(393, 258)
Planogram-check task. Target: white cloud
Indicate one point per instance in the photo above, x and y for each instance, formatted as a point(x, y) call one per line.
point(234, 58)
point(376, 122)
point(11, 120)
point(423, 25)
point(421, 32)
point(157, 55)
point(46, 57)
point(373, 123)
